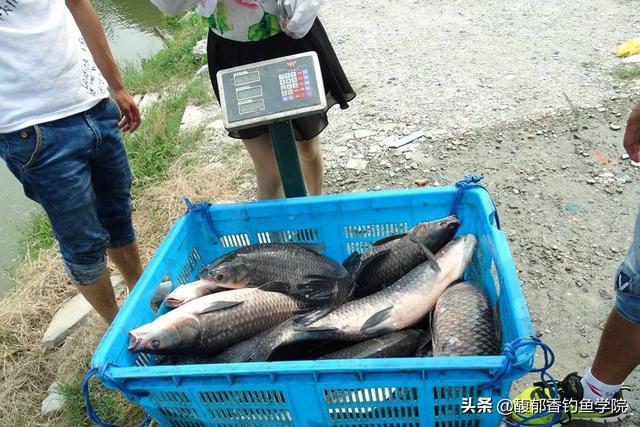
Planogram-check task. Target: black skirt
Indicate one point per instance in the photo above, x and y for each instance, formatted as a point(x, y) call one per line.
point(223, 53)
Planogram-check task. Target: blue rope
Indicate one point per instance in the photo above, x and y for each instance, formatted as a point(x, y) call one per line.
point(203, 208)
point(509, 351)
point(107, 380)
point(467, 183)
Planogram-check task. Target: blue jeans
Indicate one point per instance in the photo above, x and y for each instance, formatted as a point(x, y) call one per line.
point(627, 281)
point(77, 169)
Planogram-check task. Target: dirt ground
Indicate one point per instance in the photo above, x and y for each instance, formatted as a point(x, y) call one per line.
point(567, 202)
point(522, 93)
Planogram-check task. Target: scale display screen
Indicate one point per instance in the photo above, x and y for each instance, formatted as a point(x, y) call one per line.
point(249, 92)
point(245, 78)
point(251, 107)
point(271, 91)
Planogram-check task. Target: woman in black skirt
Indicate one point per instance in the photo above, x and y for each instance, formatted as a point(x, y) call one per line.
point(247, 31)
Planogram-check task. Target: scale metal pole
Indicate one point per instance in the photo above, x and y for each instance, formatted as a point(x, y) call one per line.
point(284, 146)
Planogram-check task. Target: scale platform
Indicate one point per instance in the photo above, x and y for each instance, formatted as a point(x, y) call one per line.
point(271, 91)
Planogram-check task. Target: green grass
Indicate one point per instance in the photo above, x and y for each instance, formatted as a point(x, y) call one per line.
point(38, 236)
point(627, 72)
point(172, 65)
point(111, 406)
point(155, 145)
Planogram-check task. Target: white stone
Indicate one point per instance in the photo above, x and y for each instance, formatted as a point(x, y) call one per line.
point(147, 101)
point(72, 315)
point(363, 133)
point(203, 72)
point(633, 59)
point(357, 164)
point(374, 148)
point(200, 49)
point(52, 405)
point(192, 118)
point(217, 124)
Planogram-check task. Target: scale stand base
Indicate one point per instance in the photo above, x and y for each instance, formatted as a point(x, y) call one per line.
point(284, 146)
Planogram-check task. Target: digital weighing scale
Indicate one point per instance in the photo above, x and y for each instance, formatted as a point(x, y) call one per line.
point(273, 93)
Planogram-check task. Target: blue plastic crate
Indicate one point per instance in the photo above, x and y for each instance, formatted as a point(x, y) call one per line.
point(407, 392)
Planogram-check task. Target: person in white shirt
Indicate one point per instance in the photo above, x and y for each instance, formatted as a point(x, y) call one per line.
point(60, 136)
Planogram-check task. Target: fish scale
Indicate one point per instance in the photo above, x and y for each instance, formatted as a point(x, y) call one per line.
point(220, 329)
point(463, 323)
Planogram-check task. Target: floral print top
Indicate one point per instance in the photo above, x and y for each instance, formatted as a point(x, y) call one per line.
point(245, 20)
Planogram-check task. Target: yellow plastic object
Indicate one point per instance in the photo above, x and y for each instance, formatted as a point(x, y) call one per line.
point(628, 48)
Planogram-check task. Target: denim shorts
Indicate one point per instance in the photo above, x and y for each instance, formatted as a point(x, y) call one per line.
point(627, 281)
point(76, 168)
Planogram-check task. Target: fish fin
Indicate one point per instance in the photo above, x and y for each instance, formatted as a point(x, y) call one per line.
point(275, 286)
point(430, 256)
point(424, 342)
point(220, 305)
point(373, 323)
point(318, 289)
point(310, 316)
point(388, 239)
point(318, 330)
point(357, 265)
point(316, 248)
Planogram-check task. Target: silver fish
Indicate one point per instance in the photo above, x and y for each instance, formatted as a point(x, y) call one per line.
point(397, 307)
point(210, 324)
point(190, 291)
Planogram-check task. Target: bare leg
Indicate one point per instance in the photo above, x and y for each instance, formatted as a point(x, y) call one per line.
point(127, 259)
point(101, 297)
point(619, 350)
point(264, 162)
point(312, 164)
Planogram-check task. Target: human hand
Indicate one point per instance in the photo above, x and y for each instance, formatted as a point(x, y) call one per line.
point(632, 135)
point(131, 119)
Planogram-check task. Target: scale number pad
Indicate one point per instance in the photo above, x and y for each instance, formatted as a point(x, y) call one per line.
point(295, 84)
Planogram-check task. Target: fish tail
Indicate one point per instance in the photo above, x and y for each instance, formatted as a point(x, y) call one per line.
point(264, 348)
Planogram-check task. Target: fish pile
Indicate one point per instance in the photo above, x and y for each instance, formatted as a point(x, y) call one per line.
point(287, 301)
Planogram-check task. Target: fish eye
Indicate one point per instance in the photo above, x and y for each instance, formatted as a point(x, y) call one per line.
point(155, 344)
point(219, 276)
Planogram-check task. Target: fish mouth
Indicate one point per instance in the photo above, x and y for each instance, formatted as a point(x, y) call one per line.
point(135, 340)
point(174, 301)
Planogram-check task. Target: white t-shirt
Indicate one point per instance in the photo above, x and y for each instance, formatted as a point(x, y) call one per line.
point(46, 70)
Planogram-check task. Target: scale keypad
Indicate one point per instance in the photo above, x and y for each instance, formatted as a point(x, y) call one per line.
point(295, 84)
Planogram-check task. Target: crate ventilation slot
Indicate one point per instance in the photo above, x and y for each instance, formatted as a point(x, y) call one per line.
point(235, 240)
point(187, 271)
point(448, 406)
point(287, 236)
point(378, 406)
point(360, 237)
point(247, 408)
